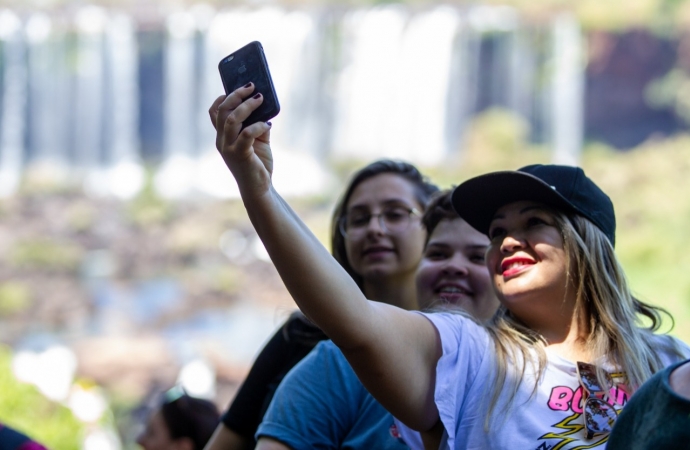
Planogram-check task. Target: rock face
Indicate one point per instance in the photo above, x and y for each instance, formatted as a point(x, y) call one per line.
point(137, 288)
point(618, 108)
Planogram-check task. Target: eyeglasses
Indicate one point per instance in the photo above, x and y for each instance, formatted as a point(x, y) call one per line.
point(392, 220)
point(599, 414)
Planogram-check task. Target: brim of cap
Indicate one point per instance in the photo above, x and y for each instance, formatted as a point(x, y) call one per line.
point(477, 199)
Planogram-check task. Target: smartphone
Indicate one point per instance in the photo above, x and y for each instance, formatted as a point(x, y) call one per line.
point(245, 65)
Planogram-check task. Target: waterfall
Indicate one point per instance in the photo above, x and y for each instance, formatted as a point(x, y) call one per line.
point(122, 172)
point(568, 90)
point(177, 173)
point(353, 83)
point(13, 110)
point(48, 121)
point(89, 107)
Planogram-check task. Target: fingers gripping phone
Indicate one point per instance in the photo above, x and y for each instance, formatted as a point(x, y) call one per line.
point(248, 64)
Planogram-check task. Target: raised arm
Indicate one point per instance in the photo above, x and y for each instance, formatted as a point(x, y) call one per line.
point(394, 352)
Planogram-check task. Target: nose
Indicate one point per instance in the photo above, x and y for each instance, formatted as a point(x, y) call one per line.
point(375, 225)
point(512, 242)
point(457, 265)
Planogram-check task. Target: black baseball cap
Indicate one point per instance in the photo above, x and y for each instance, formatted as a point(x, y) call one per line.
point(565, 188)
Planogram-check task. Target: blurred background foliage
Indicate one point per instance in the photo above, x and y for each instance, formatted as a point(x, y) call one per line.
point(45, 421)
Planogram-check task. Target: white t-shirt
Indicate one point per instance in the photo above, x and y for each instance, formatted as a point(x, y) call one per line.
point(549, 419)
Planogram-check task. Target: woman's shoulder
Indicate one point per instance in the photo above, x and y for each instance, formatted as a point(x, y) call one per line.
point(454, 321)
point(671, 349)
point(458, 330)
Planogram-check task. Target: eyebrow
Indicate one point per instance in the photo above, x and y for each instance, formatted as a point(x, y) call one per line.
point(436, 244)
point(522, 211)
point(445, 244)
point(390, 202)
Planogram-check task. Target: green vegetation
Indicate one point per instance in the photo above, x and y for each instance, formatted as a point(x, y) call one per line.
point(649, 187)
point(148, 208)
point(14, 297)
point(45, 253)
point(27, 410)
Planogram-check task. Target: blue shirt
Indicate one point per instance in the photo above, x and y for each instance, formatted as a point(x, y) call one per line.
point(321, 404)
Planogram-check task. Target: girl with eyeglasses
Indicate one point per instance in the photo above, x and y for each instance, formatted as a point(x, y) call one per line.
point(561, 356)
point(322, 404)
point(377, 238)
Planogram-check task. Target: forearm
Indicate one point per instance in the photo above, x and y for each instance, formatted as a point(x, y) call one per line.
point(265, 443)
point(226, 439)
point(385, 345)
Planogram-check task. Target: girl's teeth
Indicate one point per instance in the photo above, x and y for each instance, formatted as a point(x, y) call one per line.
point(452, 290)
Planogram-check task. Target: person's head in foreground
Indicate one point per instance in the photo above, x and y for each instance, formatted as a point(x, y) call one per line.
point(384, 251)
point(552, 260)
point(182, 422)
point(452, 272)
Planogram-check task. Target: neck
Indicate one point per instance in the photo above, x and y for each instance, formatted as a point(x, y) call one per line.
point(398, 292)
point(567, 337)
point(565, 334)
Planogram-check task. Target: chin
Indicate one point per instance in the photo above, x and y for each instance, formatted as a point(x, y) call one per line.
point(376, 273)
point(460, 302)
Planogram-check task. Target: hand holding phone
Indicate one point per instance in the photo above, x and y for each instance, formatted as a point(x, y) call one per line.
point(248, 64)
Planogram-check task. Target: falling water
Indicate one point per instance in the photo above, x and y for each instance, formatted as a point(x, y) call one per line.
point(177, 173)
point(568, 90)
point(123, 173)
point(385, 81)
point(48, 121)
point(394, 86)
point(13, 102)
point(88, 96)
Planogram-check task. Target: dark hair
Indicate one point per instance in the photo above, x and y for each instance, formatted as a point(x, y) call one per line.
point(191, 417)
point(440, 207)
point(423, 190)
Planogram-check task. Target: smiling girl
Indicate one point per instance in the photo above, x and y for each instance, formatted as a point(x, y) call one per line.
point(555, 363)
point(452, 272)
point(377, 237)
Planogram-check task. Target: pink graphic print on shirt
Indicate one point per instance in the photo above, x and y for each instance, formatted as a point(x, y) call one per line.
point(566, 433)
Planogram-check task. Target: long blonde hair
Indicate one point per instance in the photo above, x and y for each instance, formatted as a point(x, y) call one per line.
point(614, 320)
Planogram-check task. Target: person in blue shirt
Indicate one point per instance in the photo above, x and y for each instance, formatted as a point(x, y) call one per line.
point(380, 255)
point(322, 404)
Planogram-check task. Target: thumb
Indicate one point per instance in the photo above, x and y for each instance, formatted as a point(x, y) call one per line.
point(265, 137)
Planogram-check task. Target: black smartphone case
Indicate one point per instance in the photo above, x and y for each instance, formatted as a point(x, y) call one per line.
point(248, 64)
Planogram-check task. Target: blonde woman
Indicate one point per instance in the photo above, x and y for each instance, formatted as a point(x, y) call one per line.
point(556, 362)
